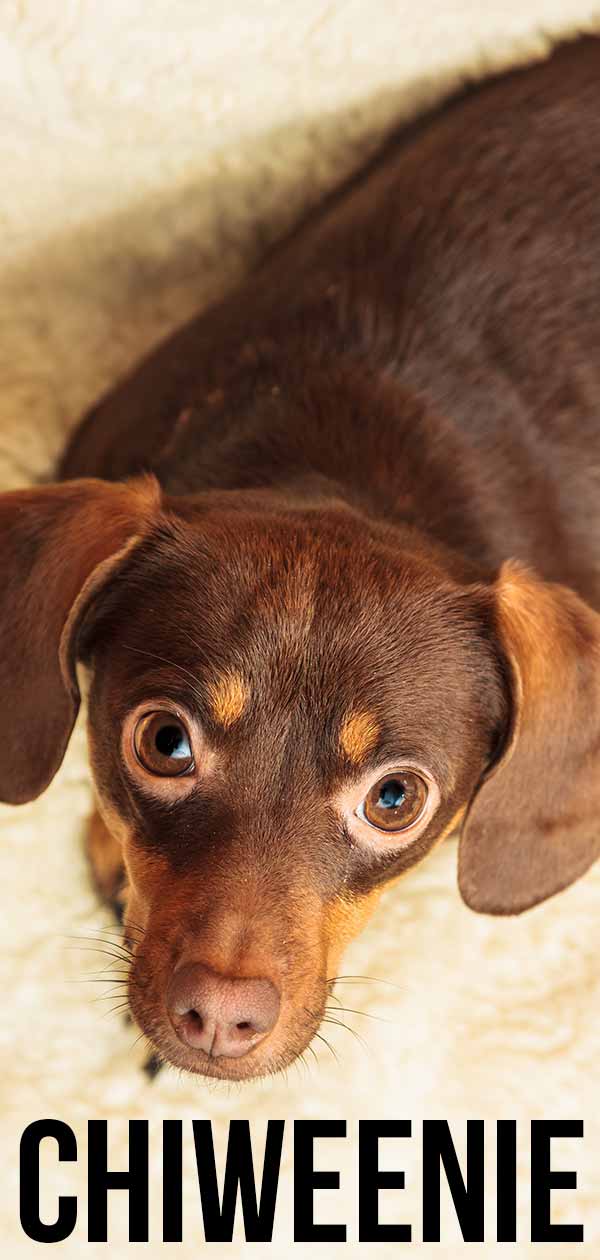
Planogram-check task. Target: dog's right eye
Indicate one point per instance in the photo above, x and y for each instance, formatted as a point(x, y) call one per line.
point(162, 745)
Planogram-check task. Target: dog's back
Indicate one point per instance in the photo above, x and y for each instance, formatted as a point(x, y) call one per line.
point(430, 339)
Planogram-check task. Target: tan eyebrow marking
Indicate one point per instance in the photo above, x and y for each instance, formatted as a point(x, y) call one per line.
point(228, 696)
point(358, 735)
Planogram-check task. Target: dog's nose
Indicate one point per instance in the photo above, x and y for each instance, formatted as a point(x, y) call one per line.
point(222, 1016)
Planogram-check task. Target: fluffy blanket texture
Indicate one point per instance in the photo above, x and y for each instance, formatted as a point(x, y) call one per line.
point(149, 151)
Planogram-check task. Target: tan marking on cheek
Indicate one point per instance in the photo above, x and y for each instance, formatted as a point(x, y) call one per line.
point(228, 696)
point(358, 735)
point(148, 873)
point(345, 918)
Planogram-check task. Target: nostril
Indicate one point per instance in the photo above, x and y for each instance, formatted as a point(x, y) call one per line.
point(221, 1015)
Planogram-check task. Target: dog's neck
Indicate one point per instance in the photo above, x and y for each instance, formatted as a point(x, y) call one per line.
point(340, 436)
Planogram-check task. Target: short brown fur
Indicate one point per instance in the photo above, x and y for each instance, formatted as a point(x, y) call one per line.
point(367, 535)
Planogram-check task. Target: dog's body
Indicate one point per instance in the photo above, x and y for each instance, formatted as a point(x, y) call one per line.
point(428, 345)
point(318, 582)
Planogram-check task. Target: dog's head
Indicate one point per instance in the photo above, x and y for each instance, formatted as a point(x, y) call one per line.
point(288, 708)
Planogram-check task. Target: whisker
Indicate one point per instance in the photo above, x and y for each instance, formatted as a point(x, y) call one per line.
point(350, 1010)
point(116, 958)
point(121, 962)
point(122, 931)
point(121, 1006)
point(118, 943)
point(90, 936)
point(136, 929)
point(125, 960)
point(107, 997)
point(109, 947)
point(126, 932)
point(114, 947)
point(313, 1052)
point(340, 1023)
point(311, 1014)
point(194, 642)
point(320, 1037)
point(108, 979)
point(117, 927)
point(118, 982)
point(186, 673)
point(373, 979)
point(113, 976)
point(299, 1060)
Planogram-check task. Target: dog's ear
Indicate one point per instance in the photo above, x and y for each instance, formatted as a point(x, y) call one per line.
point(533, 825)
point(58, 546)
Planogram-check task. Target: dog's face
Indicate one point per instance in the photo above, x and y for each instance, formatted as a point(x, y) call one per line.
point(284, 716)
point(288, 708)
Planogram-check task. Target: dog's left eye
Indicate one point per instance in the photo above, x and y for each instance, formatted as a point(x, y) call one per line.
point(162, 745)
point(395, 802)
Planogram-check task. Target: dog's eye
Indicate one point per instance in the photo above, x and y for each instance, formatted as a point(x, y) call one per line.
point(162, 744)
point(395, 802)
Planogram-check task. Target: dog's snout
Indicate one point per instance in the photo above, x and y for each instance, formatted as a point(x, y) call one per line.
point(222, 1016)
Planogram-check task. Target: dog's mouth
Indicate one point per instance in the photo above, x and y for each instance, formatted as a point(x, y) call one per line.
point(260, 1061)
point(271, 1055)
point(222, 1027)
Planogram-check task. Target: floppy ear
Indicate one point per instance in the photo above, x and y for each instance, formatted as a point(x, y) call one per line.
point(534, 824)
point(58, 546)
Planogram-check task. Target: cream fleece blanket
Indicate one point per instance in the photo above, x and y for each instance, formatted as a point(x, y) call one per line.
point(150, 148)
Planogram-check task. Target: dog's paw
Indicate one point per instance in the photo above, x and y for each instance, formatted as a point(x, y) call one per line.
point(152, 1066)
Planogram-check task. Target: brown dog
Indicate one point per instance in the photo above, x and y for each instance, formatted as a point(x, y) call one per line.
point(321, 620)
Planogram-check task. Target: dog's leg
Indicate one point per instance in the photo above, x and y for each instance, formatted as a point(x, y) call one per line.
point(106, 860)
